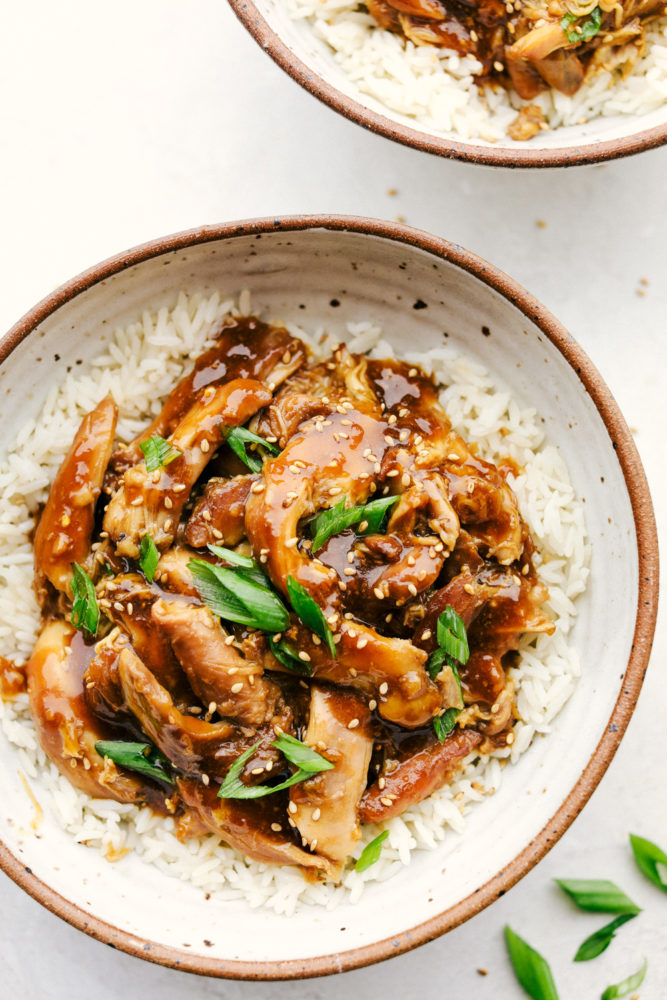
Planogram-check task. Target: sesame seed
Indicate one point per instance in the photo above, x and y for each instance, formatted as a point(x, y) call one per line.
point(204, 445)
point(378, 593)
point(346, 423)
point(353, 723)
point(257, 770)
point(334, 491)
point(236, 688)
point(412, 589)
point(304, 656)
point(292, 807)
point(118, 606)
point(352, 634)
point(316, 814)
point(205, 779)
point(350, 571)
point(257, 488)
point(381, 783)
point(405, 479)
point(391, 419)
point(229, 641)
point(276, 827)
point(168, 524)
point(393, 473)
point(316, 639)
point(372, 704)
point(217, 533)
point(411, 561)
point(403, 412)
point(291, 543)
point(386, 801)
point(426, 634)
point(412, 373)
point(469, 589)
point(137, 502)
point(362, 643)
point(509, 739)
point(498, 66)
point(212, 707)
point(206, 515)
point(384, 687)
point(168, 502)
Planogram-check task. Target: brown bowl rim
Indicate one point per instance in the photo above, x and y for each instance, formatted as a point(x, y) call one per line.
point(647, 549)
point(564, 156)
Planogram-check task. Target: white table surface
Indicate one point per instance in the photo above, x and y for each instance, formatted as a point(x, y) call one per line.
point(122, 122)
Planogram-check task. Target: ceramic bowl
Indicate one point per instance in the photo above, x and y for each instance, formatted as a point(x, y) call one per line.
point(309, 61)
point(332, 270)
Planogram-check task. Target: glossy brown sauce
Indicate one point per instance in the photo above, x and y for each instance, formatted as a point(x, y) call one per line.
point(12, 679)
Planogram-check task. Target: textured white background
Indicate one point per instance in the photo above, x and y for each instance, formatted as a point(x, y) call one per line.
point(121, 122)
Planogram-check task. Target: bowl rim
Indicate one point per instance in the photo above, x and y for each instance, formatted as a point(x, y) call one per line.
point(455, 149)
point(647, 551)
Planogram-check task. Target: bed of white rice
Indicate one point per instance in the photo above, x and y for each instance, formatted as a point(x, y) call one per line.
point(437, 87)
point(140, 365)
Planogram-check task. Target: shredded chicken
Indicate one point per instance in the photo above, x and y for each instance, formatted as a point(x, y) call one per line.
point(282, 740)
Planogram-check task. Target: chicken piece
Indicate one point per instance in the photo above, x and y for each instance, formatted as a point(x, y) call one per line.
point(417, 776)
point(218, 517)
point(245, 348)
point(217, 672)
point(101, 683)
point(127, 600)
point(197, 748)
point(250, 827)
point(528, 84)
point(65, 529)
point(152, 503)
point(528, 123)
point(172, 571)
point(562, 70)
point(325, 807)
point(540, 42)
point(487, 507)
point(66, 728)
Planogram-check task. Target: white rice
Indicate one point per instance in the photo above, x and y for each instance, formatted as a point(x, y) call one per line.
point(139, 368)
point(437, 87)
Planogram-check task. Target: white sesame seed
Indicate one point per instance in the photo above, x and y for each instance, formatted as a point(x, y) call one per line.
point(168, 502)
point(316, 814)
point(276, 827)
point(381, 783)
point(304, 656)
point(362, 643)
point(257, 488)
point(353, 723)
point(412, 589)
point(372, 704)
point(349, 571)
point(384, 687)
point(236, 688)
point(205, 779)
point(292, 807)
point(205, 446)
point(386, 801)
point(168, 524)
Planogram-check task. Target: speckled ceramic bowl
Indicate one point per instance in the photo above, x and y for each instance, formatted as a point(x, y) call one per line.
point(323, 269)
point(309, 61)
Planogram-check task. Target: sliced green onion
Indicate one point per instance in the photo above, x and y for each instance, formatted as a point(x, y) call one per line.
point(286, 654)
point(233, 788)
point(600, 940)
point(531, 969)
point(584, 28)
point(85, 610)
point(239, 437)
point(371, 852)
point(452, 636)
point(627, 986)
point(650, 860)
point(236, 598)
point(337, 518)
point(149, 557)
point(140, 757)
point(248, 566)
point(310, 613)
point(301, 755)
point(158, 452)
point(597, 895)
point(443, 724)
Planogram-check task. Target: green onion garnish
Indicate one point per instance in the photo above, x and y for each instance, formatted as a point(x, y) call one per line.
point(584, 29)
point(627, 986)
point(237, 598)
point(158, 452)
point(310, 613)
point(85, 611)
point(286, 654)
point(600, 940)
point(245, 565)
point(532, 971)
point(597, 895)
point(336, 519)
point(452, 649)
point(239, 437)
point(648, 857)
point(306, 760)
point(141, 757)
point(371, 852)
point(149, 557)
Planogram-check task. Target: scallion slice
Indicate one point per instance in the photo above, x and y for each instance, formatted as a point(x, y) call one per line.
point(286, 654)
point(310, 613)
point(247, 566)
point(600, 940)
point(337, 518)
point(238, 438)
point(311, 763)
point(237, 598)
point(627, 985)
point(140, 757)
point(149, 557)
point(650, 860)
point(532, 970)
point(371, 852)
point(597, 895)
point(158, 452)
point(85, 610)
point(580, 29)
